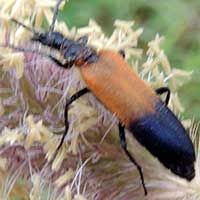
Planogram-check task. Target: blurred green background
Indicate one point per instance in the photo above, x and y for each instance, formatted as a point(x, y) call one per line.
point(177, 20)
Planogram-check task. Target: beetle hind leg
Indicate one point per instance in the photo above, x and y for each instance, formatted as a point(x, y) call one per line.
point(131, 158)
point(163, 90)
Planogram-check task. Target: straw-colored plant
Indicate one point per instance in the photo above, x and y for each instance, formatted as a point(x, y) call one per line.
point(90, 164)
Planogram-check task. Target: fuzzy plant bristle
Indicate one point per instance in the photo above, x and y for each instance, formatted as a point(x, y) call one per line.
point(33, 93)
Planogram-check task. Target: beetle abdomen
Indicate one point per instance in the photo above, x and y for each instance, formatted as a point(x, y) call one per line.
point(164, 136)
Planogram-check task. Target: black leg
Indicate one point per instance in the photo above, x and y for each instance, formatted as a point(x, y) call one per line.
point(60, 64)
point(162, 90)
point(122, 53)
point(69, 101)
point(124, 147)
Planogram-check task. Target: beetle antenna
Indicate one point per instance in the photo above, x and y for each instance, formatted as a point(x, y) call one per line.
point(55, 14)
point(25, 50)
point(31, 29)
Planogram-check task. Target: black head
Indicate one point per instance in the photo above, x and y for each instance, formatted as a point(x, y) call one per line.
point(73, 51)
point(51, 39)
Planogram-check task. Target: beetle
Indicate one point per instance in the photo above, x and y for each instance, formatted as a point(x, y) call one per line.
point(137, 106)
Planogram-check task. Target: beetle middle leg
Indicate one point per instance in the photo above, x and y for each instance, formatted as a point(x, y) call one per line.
point(69, 101)
point(131, 158)
point(163, 90)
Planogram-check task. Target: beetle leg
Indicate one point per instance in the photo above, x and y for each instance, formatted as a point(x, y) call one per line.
point(69, 101)
point(122, 53)
point(162, 90)
point(60, 64)
point(124, 147)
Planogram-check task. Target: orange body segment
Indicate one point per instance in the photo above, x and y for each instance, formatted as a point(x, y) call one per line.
point(118, 87)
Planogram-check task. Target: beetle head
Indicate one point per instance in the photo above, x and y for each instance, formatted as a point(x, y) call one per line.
point(52, 39)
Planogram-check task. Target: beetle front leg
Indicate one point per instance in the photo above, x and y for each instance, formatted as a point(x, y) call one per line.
point(124, 147)
point(60, 64)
